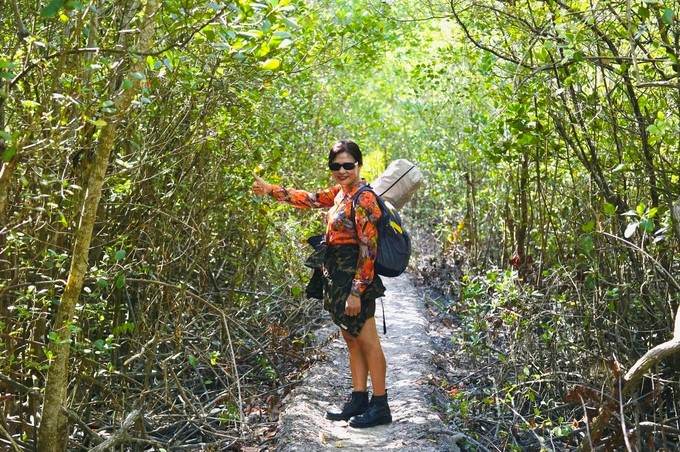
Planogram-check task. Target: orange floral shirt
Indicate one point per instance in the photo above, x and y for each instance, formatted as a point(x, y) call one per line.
point(340, 230)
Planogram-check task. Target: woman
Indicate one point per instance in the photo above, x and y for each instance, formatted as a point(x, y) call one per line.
point(350, 284)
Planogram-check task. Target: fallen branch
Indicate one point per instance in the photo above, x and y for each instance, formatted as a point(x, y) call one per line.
point(631, 379)
point(15, 446)
point(121, 434)
point(653, 356)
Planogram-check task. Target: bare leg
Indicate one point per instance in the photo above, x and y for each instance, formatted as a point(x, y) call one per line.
point(371, 353)
point(358, 365)
point(378, 411)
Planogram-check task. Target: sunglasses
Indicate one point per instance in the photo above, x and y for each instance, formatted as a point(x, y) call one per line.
point(347, 166)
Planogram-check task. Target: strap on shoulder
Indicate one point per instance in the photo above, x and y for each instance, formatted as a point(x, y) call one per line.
point(355, 198)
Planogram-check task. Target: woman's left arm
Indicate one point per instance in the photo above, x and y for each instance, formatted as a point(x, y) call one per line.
point(366, 216)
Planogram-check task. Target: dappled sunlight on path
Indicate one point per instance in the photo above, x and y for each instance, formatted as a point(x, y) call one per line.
point(415, 426)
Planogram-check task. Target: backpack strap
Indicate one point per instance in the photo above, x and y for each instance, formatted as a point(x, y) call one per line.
point(355, 199)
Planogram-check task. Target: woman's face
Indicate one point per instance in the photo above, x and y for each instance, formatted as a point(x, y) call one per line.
point(344, 177)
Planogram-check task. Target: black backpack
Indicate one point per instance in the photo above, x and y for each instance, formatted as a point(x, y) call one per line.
point(394, 243)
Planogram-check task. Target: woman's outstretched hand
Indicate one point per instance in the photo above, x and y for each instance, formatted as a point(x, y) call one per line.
point(260, 187)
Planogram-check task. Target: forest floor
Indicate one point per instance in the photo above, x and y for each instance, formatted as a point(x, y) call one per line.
point(412, 335)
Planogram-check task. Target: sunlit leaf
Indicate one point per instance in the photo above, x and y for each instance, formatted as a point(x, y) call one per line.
point(630, 230)
point(271, 64)
point(30, 103)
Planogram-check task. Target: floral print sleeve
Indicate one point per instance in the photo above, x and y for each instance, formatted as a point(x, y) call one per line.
point(340, 229)
point(366, 216)
point(304, 199)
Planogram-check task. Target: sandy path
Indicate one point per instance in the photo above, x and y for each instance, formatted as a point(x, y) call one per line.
point(415, 426)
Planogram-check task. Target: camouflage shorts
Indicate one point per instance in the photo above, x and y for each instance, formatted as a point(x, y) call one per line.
point(339, 267)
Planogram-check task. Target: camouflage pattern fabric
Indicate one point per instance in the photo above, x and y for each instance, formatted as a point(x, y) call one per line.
point(338, 266)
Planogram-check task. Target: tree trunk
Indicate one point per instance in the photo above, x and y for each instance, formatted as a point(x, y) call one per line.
point(675, 214)
point(6, 173)
point(53, 432)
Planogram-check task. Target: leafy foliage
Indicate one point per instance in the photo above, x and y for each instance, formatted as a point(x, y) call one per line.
point(547, 132)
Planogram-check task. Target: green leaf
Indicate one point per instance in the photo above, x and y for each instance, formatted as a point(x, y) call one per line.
point(52, 8)
point(127, 84)
point(588, 244)
point(271, 65)
point(102, 282)
point(643, 12)
point(120, 255)
point(668, 16)
point(647, 225)
point(75, 5)
point(8, 154)
point(30, 104)
point(120, 281)
point(296, 291)
point(192, 360)
point(609, 209)
point(589, 226)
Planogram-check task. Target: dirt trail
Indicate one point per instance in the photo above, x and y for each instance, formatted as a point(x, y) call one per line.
point(415, 426)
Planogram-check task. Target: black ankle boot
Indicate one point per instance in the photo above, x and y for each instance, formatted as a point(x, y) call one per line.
point(355, 406)
point(378, 413)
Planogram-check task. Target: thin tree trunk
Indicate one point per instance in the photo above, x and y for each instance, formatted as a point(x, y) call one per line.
point(675, 214)
point(6, 173)
point(53, 432)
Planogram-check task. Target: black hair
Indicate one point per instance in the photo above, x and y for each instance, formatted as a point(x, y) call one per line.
point(347, 146)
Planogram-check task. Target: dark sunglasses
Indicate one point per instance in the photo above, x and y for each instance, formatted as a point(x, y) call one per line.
point(347, 166)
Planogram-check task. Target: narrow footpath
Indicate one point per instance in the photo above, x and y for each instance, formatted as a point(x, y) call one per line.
point(416, 425)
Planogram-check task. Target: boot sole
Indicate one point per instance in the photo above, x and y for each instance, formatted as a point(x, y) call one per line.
point(372, 424)
point(337, 417)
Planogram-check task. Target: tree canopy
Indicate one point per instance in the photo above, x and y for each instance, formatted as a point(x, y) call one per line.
point(138, 271)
